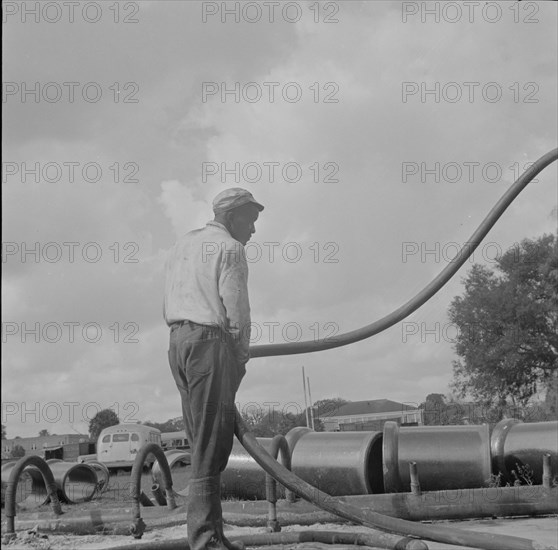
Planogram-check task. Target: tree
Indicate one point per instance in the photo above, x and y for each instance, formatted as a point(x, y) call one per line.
point(439, 410)
point(328, 407)
point(44, 433)
point(103, 419)
point(17, 452)
point(507, 325)
point(270, 422)
point(171, 425)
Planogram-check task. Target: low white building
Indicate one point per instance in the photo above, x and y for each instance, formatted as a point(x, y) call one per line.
point(370, 415)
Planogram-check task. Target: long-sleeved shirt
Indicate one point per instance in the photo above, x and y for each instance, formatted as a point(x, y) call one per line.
point(207, 283)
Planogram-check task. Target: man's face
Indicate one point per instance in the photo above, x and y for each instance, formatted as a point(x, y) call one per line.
point(241, 222)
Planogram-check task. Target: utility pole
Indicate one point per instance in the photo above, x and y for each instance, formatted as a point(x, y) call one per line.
point(305, 401)
point(311, 406)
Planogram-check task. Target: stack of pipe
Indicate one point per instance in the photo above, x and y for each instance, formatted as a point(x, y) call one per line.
point(75, 483)
point(445, 457)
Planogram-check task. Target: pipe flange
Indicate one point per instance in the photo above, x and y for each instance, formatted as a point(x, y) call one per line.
point(137, 529)
point(497, 444)
point(390, 460)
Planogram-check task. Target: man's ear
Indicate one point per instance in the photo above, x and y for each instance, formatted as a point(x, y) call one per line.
point(229, 216)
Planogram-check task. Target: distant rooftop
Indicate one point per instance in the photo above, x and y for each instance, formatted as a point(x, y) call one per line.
point(374, 406)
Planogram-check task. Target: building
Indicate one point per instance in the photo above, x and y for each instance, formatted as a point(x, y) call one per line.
point(370, 415)
point(65, 447)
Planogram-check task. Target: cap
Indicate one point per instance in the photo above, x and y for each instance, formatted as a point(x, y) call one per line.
point(233, 198)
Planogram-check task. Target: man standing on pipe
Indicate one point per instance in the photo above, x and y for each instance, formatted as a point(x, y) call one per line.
point(207, 309)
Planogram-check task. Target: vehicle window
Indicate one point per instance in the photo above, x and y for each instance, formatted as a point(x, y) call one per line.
point(106, 439)
point(135, 437)
point(117, 438)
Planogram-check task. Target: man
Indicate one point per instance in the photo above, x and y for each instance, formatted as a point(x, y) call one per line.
point(208, 312)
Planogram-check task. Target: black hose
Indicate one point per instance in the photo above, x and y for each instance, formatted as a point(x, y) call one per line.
point(374, 540)
point(11, 487)
point(138, 525)
point(428, 291)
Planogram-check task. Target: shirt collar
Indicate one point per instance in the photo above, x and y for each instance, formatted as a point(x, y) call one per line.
point(213, 223)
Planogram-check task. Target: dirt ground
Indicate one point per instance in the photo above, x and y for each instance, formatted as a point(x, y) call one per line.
point(544, 531)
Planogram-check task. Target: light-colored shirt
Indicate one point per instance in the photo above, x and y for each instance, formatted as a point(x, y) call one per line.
point(207, 283)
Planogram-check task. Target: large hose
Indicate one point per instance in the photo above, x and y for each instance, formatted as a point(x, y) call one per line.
point(373, 540)
point(138, 525)
point(428, 291)
point(369, 518)
point(48, 477)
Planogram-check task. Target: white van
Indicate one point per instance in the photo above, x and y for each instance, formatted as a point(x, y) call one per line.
point(118, 445)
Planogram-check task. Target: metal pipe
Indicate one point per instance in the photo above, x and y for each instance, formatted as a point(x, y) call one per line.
point(369, 518)
point(547, 471)
point(305, 401)
point(13, 479)
point(430, 506)
point(294, 435)
point(278, 444)
point(158, 494)
point(428, 291)
point(413, 474)
point(145, 500)
point(449, 457)
point(340, 463)
point(516, 446)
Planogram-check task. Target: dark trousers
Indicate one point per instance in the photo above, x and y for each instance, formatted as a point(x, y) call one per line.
point(207, 375)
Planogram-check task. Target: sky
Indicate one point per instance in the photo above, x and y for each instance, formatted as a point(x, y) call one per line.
point(378, 135)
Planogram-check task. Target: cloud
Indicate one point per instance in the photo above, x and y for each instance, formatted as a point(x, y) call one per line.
point(390, 231)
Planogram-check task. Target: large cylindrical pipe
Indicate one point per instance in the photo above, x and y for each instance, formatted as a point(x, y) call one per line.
point(519, 447)
point(447, 457)
point(75, 482)
point(31, 490)
point(243, 477)
point(103, 475)
point(340, 463)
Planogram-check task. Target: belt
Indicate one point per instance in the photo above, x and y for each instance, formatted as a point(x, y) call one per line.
point(209, 328)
